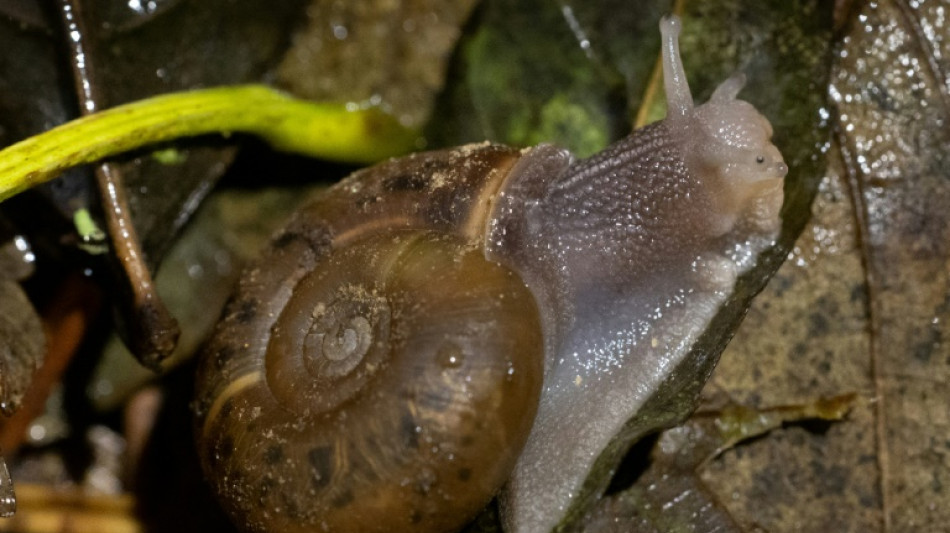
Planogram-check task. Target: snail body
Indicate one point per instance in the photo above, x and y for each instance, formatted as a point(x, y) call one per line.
point(380, 367)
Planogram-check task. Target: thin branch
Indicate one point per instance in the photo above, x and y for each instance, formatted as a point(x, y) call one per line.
point(153, 331)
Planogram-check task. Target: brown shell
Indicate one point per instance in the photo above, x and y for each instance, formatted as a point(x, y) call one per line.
point(447, 191)
point(422, 428)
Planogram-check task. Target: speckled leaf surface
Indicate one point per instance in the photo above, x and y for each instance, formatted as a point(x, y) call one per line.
point(22, 342)
point(376, 52)
point(805, 336)
point(862, 303)
point(894, 105)
point(669, 496)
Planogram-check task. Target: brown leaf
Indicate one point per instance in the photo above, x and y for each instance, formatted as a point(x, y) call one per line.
point(862, 303)
point(402, 50)
point(23, 344)
point(668, 495)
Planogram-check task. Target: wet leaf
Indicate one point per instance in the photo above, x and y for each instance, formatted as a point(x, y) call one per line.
point(805, 336)
point(22, 344)
point(861, 305)
point(894, 106)
point(22, 340)
point(669, 494)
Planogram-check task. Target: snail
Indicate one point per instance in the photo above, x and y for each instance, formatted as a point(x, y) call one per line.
point(440, 325)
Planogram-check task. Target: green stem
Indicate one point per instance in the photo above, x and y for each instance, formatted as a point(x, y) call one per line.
point(314, 129)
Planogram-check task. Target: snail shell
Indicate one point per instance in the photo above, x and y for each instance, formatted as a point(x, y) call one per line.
point(369, 375)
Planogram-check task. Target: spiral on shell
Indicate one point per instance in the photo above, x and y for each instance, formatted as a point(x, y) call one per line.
point(384, 383)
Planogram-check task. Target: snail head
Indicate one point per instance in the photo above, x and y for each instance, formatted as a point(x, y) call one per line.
point(728, 143)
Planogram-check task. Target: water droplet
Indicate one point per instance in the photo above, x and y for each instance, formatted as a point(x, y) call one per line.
point(450, 356)
point(340, 31)
point(7, 496)
point(425, 480)
point(143, 8)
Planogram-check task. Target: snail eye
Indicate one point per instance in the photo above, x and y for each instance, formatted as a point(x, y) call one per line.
point(760, 159)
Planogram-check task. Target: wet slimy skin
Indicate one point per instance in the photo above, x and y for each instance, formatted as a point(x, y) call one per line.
point(630, 253)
